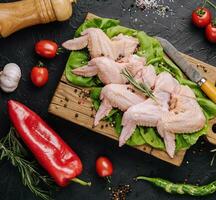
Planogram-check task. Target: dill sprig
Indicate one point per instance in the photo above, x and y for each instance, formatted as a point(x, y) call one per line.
point(12, 150)
point(140, 86)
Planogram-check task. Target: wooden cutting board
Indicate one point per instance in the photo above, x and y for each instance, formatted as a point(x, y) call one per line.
point(68, 103)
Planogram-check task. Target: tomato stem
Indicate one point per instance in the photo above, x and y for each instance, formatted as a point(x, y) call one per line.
point(40, 64)
point(211, 4)
point(204, 3)
point(59, 51)
point(108, 178)
point(200, 12)
point(81, 182)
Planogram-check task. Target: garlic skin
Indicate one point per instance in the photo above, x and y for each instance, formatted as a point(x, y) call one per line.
point(10, 77)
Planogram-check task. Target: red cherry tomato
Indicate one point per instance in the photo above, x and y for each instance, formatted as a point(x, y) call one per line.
point(104, 167)
point(201, 17)
point(210, 33)
point(46, 48)
point(39, 76)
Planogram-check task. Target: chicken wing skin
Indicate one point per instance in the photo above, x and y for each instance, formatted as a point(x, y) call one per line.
point(105, 68)
point(166, 83)
point(116, 96)
point(99, 44)
point(185, 116)
point(147, 113)
point(110, 71)
point(96, 40)
point(125, 45)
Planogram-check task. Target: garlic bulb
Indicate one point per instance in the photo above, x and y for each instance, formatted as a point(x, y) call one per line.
point(10, 77)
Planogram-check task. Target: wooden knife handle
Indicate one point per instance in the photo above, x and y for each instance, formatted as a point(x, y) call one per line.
point(211, 137)
point(17, 15)
point(209, 89)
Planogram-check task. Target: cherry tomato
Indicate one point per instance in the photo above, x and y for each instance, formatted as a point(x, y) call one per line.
point(46, 48)
point(39, 76)
point(210, 33)
point(104, 167)
point(201, 17)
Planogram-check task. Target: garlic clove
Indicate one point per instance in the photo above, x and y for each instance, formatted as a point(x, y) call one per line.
point(10, 77)
point(7, 89)
point(12, 70)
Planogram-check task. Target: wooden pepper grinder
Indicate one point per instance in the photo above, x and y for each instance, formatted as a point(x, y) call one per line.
point(18, 15)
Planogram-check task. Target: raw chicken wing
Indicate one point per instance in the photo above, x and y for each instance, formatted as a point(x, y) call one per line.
point(116, 96)
point(135, 63)
point(147, 76)
point(186, 116)
point(147, 113)
point(96, 40)
point(107, 70)
point(166, 83)
point(99, 44)
point(125, 45)
point(144, 74)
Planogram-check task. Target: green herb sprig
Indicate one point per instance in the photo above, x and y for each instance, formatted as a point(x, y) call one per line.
point(12, 150)
point(213, 157)
point(140, 86)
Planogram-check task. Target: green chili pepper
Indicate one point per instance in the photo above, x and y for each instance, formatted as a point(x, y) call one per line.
point(181, 188)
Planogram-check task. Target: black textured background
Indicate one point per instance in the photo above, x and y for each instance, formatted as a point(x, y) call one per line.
point(128, 162)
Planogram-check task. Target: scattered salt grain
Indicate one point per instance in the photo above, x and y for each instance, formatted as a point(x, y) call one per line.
point(146, 4)
point(157, 6)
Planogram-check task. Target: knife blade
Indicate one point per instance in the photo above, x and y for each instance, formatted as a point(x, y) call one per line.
point(189, 69)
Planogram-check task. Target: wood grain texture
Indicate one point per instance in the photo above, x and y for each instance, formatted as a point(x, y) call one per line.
point(68, 103)
point(18, 15)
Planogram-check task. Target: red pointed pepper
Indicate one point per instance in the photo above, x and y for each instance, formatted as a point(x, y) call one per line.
point(54, 155)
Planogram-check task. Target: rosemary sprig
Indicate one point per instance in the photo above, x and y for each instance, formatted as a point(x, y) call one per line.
point(140, 86)
point(213, 157)
point(12, 150)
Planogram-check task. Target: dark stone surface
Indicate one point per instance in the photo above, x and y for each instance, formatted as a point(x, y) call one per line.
point(128, 162)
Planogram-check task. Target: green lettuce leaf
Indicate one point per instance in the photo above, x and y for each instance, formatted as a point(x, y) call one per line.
point(136, 139)
point(150, 48)
point(185, 141)
point(116, 30)
point(152, 138)
point(209, 108)
point(174, 70)
point(95, 96)
point(118, 121)
point(102, 23)
point(79, 59)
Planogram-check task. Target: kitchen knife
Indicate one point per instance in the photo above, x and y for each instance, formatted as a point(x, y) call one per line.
point(189, 69)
